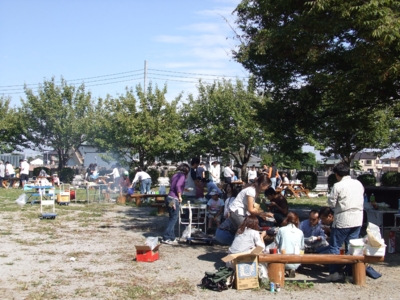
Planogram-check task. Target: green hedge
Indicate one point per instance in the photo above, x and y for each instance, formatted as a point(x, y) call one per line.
point(154, 174)
point(390, 179)
point(308, 179)
point(66, 175)
point(331, 181)
point(367, 179)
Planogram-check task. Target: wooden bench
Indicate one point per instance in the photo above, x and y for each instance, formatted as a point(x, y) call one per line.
point(161, 208)
point(160, 198)
point(276, 264)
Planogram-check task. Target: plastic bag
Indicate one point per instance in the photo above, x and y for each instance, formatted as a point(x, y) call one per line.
point(152, 242)
point(21, 200)
point(263, 271)
point(374, 235)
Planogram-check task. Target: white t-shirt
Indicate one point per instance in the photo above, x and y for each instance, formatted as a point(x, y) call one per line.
point(24, 167)
point(140, 176)
point(228, 172)
point(2, 170)
point(227, 203)
point(9, 170)
point(240, 204)
point(246, 241)
point(115, 173)
point(215, 205)
point(252, 174)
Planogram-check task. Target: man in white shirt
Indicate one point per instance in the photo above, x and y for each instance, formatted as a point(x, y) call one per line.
point(2, 173)
point(228, 174)
point(252, 174)
point(24, 172)
point(215, 172)
point(347, 202)
point(145, 181)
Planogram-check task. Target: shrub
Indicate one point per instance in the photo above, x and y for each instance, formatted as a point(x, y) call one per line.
point(154, 174)
point(331, 181)
point(170, 174)
point(367, 179)
point(67, 175)
point(308, 179)
point(390, 179)
point(37, 170)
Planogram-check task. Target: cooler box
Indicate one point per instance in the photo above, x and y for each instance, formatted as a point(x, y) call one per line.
point(144, 253)
point(374, 251)
point(63, 197)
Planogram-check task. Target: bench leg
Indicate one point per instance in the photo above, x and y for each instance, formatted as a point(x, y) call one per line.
point(138, 200)
point(161, 210)
point(276, 273)
point(359, 277)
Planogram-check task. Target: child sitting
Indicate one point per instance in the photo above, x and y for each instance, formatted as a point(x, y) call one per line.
point(215, 208)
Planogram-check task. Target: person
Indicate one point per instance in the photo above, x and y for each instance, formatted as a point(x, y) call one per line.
point(94, 174)
point(247, 236)
point(252, 174)
point(212, 186)
point(288, 238)
point(243, 205)
point(326, 215)
point(145, 181)
point(2, 173)
point(24, 172)
point(278, 205)
point(225, 233)
point(200, 180)
point(173, 202)
point(285, 180)
point(215, 209)
point(10, 172)
point(230, 193)
point(191, 180)
point(88, 171)
point(347, 201)
point(314, 235)
point(115, 175)
point(273, 174)
point(55, 180)
point(124, 182)
point(228, 174)
point(265, 169)
point(215, 172)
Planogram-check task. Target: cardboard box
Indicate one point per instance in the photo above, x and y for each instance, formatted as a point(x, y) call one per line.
point(144, 253)
point(246, 266)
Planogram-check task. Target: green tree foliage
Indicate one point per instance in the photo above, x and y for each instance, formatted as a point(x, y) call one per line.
point(221, 120)
point(11, 127)
point(308, 161)
point(147, 126)
point(367, 179)
point(390, 179)
point(58, 117)
point(331, 67)
point(308, 179)
point(356, 166)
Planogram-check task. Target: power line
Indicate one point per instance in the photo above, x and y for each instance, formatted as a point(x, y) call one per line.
point(197, 74)
point(167, 79)
point(181, 76)
point(134, 71)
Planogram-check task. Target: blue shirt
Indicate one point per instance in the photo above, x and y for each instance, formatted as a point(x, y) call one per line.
point(212, 186)
point(309, 230)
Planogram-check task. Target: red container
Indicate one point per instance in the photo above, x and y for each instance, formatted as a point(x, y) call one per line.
point(273, 251)
point(72, 195)
point(145, 254)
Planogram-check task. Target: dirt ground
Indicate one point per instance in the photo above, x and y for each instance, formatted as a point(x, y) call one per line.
point(36, 259)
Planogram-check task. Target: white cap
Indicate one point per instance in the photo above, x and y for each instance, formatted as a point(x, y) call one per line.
point(213, 192)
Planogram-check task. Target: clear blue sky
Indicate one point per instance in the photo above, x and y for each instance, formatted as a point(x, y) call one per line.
point(89, 38)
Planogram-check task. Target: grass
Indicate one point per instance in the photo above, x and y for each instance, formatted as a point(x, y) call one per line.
point(295, 285)
point(304, 202)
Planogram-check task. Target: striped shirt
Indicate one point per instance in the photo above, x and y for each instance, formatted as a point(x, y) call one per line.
point(347, 201)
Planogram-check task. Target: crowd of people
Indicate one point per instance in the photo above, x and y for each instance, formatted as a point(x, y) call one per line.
point(240, 220)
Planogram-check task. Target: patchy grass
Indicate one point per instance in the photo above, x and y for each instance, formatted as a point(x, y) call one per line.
point(305, 202)
point(294, 285)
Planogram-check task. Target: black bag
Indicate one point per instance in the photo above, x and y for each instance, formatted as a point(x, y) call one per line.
point(218, 281)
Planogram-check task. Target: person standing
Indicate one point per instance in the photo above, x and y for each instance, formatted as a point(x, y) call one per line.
point(173, 202)
point(228, 174)
point(10, 172)
point(115, 174)
point(124, 183)
point(24, 172)
point(215, 172)
point(2, 173)
point(191, 180)
point(252, 174)
point(347, 201)
point(273, 174)
point(145, 181)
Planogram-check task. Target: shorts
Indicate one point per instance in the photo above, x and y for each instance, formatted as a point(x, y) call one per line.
point(23, 177)
point(210, 215)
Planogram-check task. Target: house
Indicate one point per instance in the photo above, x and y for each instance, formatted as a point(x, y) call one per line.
point(390, 164)
point(369, 162)
point(330, 162)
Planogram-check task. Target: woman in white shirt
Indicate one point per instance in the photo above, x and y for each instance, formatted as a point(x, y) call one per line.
point(145, 181)
point(248, 236)
point(10, 172)
point(252, 174)
point(243, 205)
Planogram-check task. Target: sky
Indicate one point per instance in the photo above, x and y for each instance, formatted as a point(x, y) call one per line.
point(94, 39)
point(104, 44)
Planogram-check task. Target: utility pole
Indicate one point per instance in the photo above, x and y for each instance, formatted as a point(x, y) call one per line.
point(145, 78)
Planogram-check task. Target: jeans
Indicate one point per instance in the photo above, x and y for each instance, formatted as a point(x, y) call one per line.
point(236, 219)
point(224, 237)
point(145, 186)
point(273, 182)
point(337, 238)
point(169, 233)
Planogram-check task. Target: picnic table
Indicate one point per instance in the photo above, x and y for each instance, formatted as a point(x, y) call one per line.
point(10, 181)
point(159, 203)
point(296, 189)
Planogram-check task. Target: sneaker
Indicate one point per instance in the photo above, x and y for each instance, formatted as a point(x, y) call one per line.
point(292, 273)
point(169, 242)
point(334, 277)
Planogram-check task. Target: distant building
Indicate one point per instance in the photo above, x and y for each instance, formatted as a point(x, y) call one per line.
point(369, 162)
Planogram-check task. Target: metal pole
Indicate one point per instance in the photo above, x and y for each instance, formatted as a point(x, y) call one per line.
point(145, 77)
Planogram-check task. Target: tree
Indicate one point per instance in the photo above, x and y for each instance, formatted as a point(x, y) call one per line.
point(221, 120)
point(308, 161)
point(331, 68)
point(147, 126)
point(11, 127)
point(357, 166)
point(58, 117)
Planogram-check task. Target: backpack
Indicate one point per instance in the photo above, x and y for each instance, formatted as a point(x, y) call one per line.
point(218, 281)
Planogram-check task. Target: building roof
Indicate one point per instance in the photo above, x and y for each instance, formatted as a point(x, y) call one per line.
point(365, 155)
